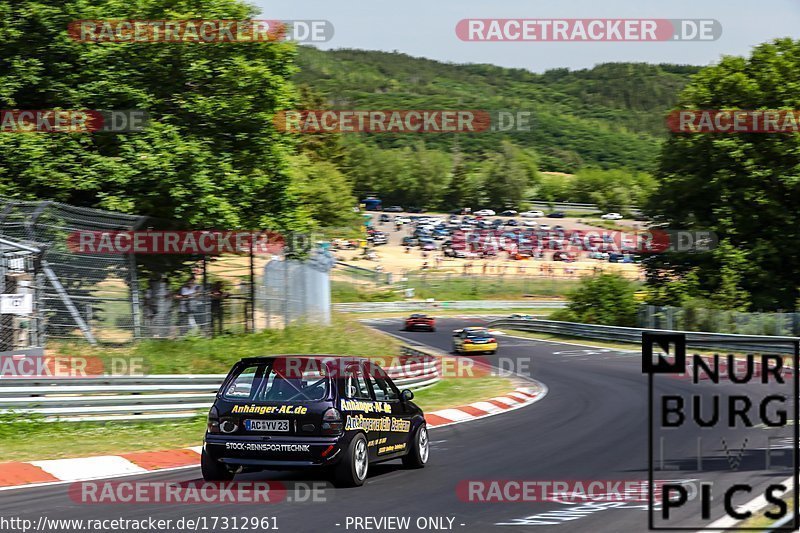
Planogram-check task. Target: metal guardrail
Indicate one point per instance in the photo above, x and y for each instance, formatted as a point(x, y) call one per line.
point(155, 397)
point(419, 305)
point(694, 339)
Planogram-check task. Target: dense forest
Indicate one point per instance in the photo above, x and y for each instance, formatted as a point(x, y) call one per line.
point(609, 116)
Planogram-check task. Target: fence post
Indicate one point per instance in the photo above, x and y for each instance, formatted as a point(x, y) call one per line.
point(136, 308)
point(252, 296)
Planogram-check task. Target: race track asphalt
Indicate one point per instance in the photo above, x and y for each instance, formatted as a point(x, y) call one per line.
point(592, 425)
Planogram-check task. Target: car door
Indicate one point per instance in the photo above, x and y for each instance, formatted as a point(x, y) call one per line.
point(399, 414)
point(358, 402)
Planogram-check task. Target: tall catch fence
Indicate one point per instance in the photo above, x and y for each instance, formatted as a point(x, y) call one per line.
point(98, 295)
point(718, 320)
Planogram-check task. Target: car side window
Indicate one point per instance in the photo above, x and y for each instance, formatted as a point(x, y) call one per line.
point(242, 385)
point(383, 390)
point(356, 386)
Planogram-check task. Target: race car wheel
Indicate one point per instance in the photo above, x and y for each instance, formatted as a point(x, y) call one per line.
point(418, 454)
point(352, 469)
point(213, 470)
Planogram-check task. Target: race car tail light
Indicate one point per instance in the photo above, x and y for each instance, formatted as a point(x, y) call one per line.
point(492, 340)
point(213, 420)
point(467, 341)
point(332, 422)
point(228, 426)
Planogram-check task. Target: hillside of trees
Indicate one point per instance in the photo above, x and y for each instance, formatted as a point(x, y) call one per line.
point(610, 116)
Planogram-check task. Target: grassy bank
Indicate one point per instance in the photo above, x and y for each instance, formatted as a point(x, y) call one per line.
point(25, 441)
point(452, 287)
point(200, 355)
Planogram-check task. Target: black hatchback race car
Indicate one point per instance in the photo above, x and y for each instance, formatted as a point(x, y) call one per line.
point(337, 414)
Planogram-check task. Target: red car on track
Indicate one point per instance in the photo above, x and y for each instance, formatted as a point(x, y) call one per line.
point(420, 321)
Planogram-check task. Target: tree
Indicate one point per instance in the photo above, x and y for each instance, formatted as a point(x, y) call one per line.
point(744, 187)
point(325, 192)
point(507, 175)
point(211, 156)
point(605, 299)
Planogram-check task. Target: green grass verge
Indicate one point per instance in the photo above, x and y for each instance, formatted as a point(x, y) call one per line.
point(343, 291)
point(25, 441)
point(758, 520)
point(508, 287)
point(200, 355)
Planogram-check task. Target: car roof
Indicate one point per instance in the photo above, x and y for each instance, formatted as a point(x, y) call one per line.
point(265, 358)
point(475, 328)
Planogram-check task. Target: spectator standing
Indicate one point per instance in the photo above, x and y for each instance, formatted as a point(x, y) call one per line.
point(187, 305)
point(217, 295)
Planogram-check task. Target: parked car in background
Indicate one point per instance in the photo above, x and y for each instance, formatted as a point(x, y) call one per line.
point(612, 216)
point(393, 209)
point(557, 214)
point(532, 214)
point(484, 213)
point(508, 213)
point(385, 218)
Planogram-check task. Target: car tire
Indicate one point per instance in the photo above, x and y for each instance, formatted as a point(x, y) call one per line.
point(353, 468)
point(417, 455)
point(213, 470)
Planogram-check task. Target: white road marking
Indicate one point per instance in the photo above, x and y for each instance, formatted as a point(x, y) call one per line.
point(74, 469)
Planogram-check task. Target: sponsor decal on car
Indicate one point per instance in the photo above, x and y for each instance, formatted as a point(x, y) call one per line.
point(266, 447)
point(392, 448)
point(397, 425)
point(366, 406)
point(375, 442)
point(270, 409)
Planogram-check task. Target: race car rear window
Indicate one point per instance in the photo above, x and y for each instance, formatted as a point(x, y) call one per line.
point(265, 382)
point(477, 334)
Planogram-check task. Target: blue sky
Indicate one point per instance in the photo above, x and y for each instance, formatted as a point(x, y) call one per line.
point(427, 28)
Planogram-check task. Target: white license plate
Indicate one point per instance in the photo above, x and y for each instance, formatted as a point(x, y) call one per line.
point(266, 425)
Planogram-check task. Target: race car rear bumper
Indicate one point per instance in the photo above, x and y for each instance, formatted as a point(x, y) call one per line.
point(280, 453)
point(487, 347)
